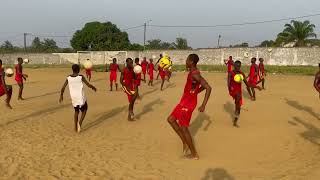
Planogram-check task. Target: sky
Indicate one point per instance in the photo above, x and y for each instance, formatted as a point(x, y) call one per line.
point(46, 18)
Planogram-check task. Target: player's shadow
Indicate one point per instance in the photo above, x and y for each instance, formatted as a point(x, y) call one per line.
point(170, 85)
point(198, 122)
point(46, 111)
point(149, 107)
point(229, 108)
point(217, 174)
point(104, 116)
point(302, 107)
point(311, 134)
point(42, 95)
point(96, 80)
point(148, 92)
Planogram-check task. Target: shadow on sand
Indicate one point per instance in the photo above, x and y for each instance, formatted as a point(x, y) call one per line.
point(302, 107)
point(217, 174)
point(198, 122)
point(311, 133)
point(149, 107)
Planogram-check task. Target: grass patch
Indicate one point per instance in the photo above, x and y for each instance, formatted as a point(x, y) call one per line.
point(298, 70)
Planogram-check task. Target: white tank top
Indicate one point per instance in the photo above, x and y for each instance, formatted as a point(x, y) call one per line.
point(76, 90)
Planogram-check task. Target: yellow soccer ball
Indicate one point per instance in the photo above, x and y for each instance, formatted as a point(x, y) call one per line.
point(238, 78)
point(165, 63)
point(87, 65)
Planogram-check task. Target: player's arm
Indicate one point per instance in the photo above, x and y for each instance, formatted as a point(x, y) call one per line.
point(225, 62)
point(4, 85)
point(316, 81)
point(62, 90)
point(229, 81)
point(204, 84)
point(119, 68)
point(88, 84)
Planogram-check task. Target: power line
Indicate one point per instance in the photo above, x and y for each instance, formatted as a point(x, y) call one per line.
point(235, 24)
point(134, 27)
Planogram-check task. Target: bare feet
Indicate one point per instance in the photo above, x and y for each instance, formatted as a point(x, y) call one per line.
point(192, 157)
point(131, 116)
point(20, 98)
point(8, 106)
point(185, 149)
point(78, 127)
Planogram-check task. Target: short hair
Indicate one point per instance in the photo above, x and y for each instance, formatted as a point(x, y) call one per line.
point(136, 59)
point(76, 68)
point(114, 59)
point(254, 58)
point(260, 59)
point(20, 59)
point(230, 57)
point(194, 58)
point(319, 64)
point(237, 62)
point(128, 59)
point(0, 61)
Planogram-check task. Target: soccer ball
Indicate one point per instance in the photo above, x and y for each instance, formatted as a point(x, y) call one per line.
point(26, 61)
point(238, 78)
point(137, 69)
point(87, 65)
point(246, 54)
point(9, 72)
point(154, 56)
point(165, 63)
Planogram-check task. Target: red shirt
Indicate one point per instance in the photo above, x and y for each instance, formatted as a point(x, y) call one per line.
point(229, 65)
point(144, 64)
point(18, 73)
point(261, 68)
point(150, 68)
point(191, 91)
point(234, 86)
point(1, 74)
point(128, 77)
point(253, 73)
point(114, 67)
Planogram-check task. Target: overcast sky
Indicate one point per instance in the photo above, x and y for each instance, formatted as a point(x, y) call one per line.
point(63, 17)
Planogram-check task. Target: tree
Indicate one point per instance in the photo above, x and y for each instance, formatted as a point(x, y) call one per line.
point(296, 31)
point(98, 36)
point(244, 44)
point(267, 43)
point(181, 43)
point(158, 44)
point(37, 45)
point(7, 45)
point(135, 47)
point(50, 45)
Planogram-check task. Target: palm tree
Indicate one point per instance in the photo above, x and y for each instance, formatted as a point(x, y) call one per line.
point(298, 32)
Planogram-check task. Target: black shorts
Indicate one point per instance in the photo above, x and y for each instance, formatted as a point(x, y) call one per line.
point(82, 108)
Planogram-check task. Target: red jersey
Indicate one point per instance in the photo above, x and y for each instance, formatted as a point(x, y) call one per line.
point(235, 88)
point(261, 69)
point(229, 65)
point(114, 67)
point(1, 74)
point(18, 77)
point(128, 77)
point(191, 91)
point(144, 65)
point(150, 68)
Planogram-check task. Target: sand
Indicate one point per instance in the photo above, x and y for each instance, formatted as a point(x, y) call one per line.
point(278, 138)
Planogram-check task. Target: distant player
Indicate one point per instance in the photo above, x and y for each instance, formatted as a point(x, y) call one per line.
point(229, 62)
point(150, 70)
point(253, 78)
point(163, 74)
point(20, 77)
point(114, 67)
point(181, 115)
point(4, 88)
point(127, 81)
point(316, 82)
point(158, 66)
point(89, 72)
point(235, 89)
point(78, 98)
point(144, 65)
point(138, 77)
point(262, 74)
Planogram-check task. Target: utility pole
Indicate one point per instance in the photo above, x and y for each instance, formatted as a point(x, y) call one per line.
point(144, 36)
point(25, 41)
point(219, 41)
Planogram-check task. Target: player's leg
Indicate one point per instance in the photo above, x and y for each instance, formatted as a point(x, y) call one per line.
point(253, 94)
point(9, 95)
point(249, 92)
point(20, 84)
point(173, 123)
point(162, 82)
point(189, 141)
point(263, 80)
point(116, 85)
point(237, 101)
point(131, 106)
point(111, 85)
point(84, 110)
point(76, 115)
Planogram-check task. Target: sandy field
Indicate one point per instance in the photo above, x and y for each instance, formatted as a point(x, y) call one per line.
point(278, 138)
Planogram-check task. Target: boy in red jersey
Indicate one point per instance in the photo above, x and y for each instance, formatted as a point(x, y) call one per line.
point(235, 89)
point(316, 82)
point(229, 62)
point(150, 72)
point(144, 65)
point(4, 88)
point(127, 81)
point(253, 78)
point(89, 72)
point(261, 72)
point(183, 111)
point(114, 67)
point(20, 77)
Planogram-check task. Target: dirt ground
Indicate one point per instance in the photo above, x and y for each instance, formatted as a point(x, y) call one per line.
point(278, 138)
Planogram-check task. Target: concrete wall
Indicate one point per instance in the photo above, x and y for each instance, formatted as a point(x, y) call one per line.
point(274, 56)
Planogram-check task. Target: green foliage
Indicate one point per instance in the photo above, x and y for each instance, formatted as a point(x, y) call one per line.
point(181, 43)
point(98, 36)
point(7, 45)
point(135, 47)
point(296, 31)
point(244, 44)
point(267, 43)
